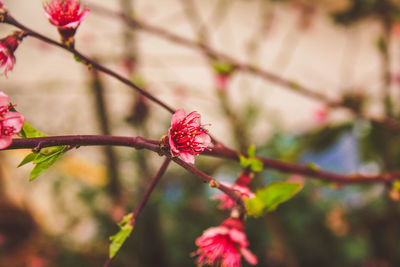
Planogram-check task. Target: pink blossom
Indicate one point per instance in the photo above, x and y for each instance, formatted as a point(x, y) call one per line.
point(187, 137)
point(224, 245)
point(8, 45)
point(1, 4)
point(321, 115)
point(67, 15)
point(241, 186)
point(10, 122)
point(221, 81)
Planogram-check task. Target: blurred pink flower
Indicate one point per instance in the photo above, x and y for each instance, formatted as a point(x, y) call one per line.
point(10, 122)
point(187, 137)
point(224, 245)
point(8, 45)
point(66, 15)
point(221, 81)
point(1, 4)
point(241, 185)
point(321, 115)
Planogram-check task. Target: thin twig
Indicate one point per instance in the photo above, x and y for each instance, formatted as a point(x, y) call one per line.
point(271, 77)
point(143, 200)
point(88, 61)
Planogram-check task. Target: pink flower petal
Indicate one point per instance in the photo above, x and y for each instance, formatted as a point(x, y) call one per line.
point(248, 256)
point(187, 157)
point(178, 116)
point(171, 143)
point(204, 139)
point(4, 99)
point(5, 141)
point(193, 119)
point(14, 119)
point(239, 237)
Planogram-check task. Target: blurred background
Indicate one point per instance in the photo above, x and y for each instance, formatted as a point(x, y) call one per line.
point(344, 49)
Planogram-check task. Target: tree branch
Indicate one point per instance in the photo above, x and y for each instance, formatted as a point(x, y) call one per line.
point(90, 62)
point(143, 200)
point(219, 151)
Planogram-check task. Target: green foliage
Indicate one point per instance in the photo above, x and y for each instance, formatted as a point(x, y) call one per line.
point(223, 68)
point(251, 162)
point(43, 159)
point(28, 131)
point(312, 166)
point(119, 238)
point(78, 59)
point(139, 80)
point(381, 44)
point(268, 198)
point(42, 163)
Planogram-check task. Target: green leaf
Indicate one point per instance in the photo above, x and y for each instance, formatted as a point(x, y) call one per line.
point(28, 131)
point(256, 165)
point(30, 157)
point(312, 166)
point(251, 151)
point(45, 158)
point(223, 68)
point(396, 185)
point(44, 164)
point(381, 44)
point(78, 59)
point(268, 198)
point(244, 162)
point(125, 220)
point(119, 238)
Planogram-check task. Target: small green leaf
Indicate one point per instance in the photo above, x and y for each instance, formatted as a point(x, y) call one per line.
point(256, 165)
point(381, 44)
point(28, 131)
point(244, 162)
point(223, 68)
point(30, 157)
point(78, 59)
point(45, 164)
point(125, 220)
point(268, 198)
point(396, 185)
point(294, 85)
point(139, 80)
point(119, 238)
point(251, 151)
point(312, 166)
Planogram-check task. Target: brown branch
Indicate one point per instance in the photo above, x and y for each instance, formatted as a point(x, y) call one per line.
point(290, 85)
point(143, 200)
point(89, 62)
point(293, 86)
point(85, 140)
point(210, 180)
point(102, 140)
point(225, 152)
point(219, 151)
